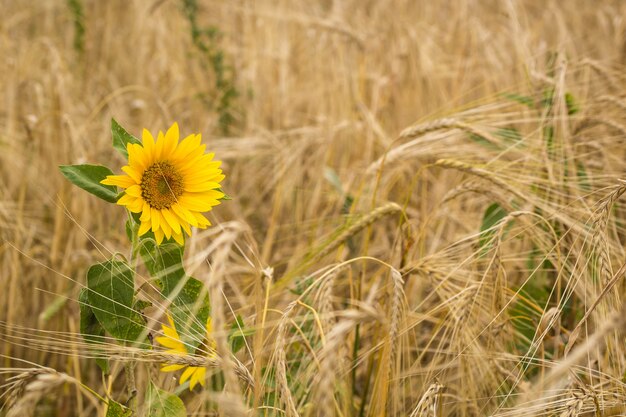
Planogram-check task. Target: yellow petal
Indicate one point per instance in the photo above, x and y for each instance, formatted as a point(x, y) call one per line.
point(192, 159)
point(186, 228)
point(170, 343)
point(144, 228)
point(145, 215)
point(178, 237)
point(171, 220)
point(170, 332)
point(198, 377)
point(136, 206)
point(195, 202)
point(167, 230)
point(201, 187)
point(184, 214)
point(185, 147)
point(148, 144)
point(171, 368)
point(133, 173)
point(203, 222)
point(126, 200)
point(123, 181)
point(188, 373)
point(134, 190)
point(200, 162)
point(155, 217)
point(203, 201)
point(136, 156)
point(171, 140)
point(158, 149)
point(158, 234)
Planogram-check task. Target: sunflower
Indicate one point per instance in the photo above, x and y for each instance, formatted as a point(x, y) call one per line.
point(172, 341)
point(169, 183)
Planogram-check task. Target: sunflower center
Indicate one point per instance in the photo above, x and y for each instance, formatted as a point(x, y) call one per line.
point(161, 185)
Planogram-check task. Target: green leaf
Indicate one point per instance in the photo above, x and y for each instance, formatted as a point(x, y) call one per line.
point(226, 196)
point(53, 308)
point(129, 229)
point(111, 296)
point(548, 98)
point(548, 136)
point(525, 100)
point(483, 141)
point(238, 333)
point(116, 409)
point(492, 216)
point(583, 179)
point(570, 102)
point(190, 305)
point(509, 134)
point(140, 305)
point(121, 138)
point(88, 178)
point(163, 404)
point(90, 328)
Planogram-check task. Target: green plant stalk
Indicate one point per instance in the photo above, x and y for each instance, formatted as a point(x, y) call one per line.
point(129, 366)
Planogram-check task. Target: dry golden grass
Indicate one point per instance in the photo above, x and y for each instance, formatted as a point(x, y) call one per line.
point(368, 141)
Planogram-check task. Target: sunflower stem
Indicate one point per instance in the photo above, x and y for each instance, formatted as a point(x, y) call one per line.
point(131, 386)
point(129, 367)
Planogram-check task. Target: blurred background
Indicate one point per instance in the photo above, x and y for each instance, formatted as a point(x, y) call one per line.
point(324, 111)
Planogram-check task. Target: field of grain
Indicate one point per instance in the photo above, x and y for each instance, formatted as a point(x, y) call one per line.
point(427, 213)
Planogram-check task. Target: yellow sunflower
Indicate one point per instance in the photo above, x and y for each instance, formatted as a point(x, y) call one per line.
point(169, 183)
point(172, 341)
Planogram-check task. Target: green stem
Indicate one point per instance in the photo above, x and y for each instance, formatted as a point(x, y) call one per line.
point(129, 367)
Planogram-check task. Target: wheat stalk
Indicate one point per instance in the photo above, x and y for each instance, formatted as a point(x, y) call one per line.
point(575, 404)
point(429, 405)
point(281, 364)
point(366, 220)
point(26, 389)
point(600, 222)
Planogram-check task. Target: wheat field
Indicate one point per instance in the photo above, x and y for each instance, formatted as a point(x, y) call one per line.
point(427, 213)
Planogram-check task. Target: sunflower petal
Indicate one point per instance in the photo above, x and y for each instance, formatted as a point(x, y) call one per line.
point(126, 200)
point(184, 214)
point(155, 217)
point(136, 156)
point(167, 230)
point(158, 234)
point(123, 181)
point(178, 237)
point(171, 139)
point(171, 220)
point(145, 215)
point(132, 172)
point(158, 149)
point(187, 374)
point(134, 190)
point(148, 144)
point(171, 368)
point(144, 228)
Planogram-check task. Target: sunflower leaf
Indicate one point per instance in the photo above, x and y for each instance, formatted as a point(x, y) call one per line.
point(226, 196)
point(110, 294)
point(116, 409)
point(88, 178)
point(238, 333)
point(163, 404)
point(121, 138)
point(189, 299)
point(90, 328)
point(493, 214)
